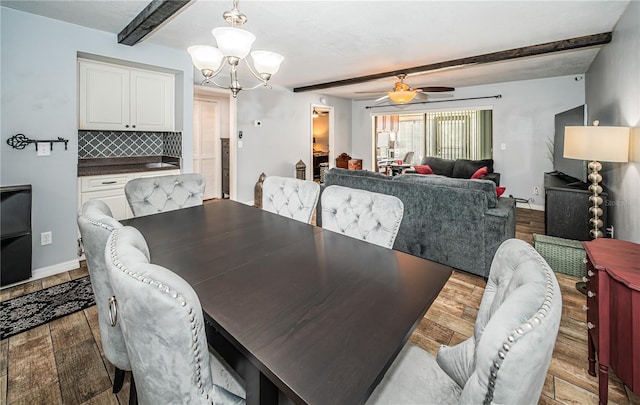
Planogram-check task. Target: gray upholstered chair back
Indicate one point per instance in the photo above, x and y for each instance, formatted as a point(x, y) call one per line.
point(163, 326)
point(362, 214)
point(506, 360)
point(151, 195)
point(408, 158)
point(516, 328)
point(289, 197)
point(96, 224)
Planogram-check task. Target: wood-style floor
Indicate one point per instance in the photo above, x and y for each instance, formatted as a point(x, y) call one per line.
point(62, 362)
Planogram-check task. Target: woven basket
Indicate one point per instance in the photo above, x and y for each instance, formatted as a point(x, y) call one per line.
point(563, 255)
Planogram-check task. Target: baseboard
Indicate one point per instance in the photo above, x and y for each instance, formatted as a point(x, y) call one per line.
point(43, 272)
point(530, 206)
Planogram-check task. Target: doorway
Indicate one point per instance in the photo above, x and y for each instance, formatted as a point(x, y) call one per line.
point(322, 123)
point(211, 127)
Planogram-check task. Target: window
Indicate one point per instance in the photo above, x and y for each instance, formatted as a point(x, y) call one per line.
point(466, 134)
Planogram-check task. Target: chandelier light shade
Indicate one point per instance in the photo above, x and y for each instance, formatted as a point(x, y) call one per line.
point(233, 42)
point(234, 45)
point(402, 96)
point(608, 144)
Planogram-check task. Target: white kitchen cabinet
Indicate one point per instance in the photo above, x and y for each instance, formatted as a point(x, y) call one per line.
point(110, 189)
point(119, 98)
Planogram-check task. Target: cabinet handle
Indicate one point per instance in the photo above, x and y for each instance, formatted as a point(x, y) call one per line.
point(109, 182)
point(133, 126)
point(591, 294)
point(584, 279)
point(585, 308)
point(590, 325)
point(590, 273)
point(126, 126)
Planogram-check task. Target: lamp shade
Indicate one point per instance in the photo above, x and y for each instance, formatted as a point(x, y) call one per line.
point(401, 96)
point(205, 57)
point(606, 144)
point(266, 62)
point(234, 42)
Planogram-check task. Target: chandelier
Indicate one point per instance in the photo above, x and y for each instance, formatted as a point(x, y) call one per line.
point(234, 45)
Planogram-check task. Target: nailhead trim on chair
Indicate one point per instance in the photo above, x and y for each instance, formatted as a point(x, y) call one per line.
point(174, 295)
point(520, 331)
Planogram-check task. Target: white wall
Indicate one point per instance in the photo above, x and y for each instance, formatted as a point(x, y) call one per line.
point(285, 135)
point(39, 99)
point(613, 97)
point(523, 119)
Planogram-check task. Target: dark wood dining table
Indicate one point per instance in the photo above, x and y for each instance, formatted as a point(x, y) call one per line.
point(313, 314)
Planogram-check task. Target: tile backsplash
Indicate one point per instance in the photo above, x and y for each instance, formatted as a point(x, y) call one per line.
point(107, 144)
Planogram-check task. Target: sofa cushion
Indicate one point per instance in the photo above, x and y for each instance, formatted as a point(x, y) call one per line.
point(488, 187)
point(443, 167)
point(480, 173)
point(423, 169)
point(464, 168)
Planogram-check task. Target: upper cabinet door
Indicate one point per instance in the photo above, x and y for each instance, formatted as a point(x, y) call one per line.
point(104, 96)
point(124, 99)
point(152, 104)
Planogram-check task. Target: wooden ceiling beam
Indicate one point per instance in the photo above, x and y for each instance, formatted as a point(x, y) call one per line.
point(150, 18)
point(531, 50)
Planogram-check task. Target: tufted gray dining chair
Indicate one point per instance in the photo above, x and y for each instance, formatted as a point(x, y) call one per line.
point(289, 197)
point(163, 326)
point(361, 214)
point(151, 195)
point(506, 360)
point(96, 224)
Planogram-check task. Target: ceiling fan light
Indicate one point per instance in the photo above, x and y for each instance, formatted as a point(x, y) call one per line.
point(401, 97)
point(233, 42)
point(205, 57)
point(266, 61)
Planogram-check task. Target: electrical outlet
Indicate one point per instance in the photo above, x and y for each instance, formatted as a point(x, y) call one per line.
point(46, 238)
point(536, 191)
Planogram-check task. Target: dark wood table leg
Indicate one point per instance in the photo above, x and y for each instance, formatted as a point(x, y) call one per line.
point(603, 383)
point(260, 391)
point(592, 355)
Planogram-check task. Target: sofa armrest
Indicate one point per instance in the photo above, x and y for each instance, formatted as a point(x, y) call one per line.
point(500, 225)
point(494, 177)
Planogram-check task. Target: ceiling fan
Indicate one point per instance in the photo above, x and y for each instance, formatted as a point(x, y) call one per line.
point(317, 113)
point(402, 93)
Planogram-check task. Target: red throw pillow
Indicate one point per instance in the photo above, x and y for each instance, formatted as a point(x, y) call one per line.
point(480, 173)
point(424, 169)
point(500, 191)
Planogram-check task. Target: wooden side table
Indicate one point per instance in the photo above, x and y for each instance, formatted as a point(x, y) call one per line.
point(613, 311)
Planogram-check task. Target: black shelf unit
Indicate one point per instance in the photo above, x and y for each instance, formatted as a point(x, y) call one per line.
point(225, 167)
point(15, 230)
point(566, 207)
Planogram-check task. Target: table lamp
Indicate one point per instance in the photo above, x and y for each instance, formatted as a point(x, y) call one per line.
point(596, 143)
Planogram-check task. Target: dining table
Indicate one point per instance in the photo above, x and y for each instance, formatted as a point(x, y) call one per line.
point(302, 313)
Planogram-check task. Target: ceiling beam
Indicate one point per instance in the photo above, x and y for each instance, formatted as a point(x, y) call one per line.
point(531, 50)
point(150, 18)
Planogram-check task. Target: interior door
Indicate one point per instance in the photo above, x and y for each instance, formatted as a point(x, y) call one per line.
point(206, 141)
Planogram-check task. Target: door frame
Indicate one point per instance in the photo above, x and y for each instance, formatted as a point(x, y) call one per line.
point(202, 91)
point(331, 136)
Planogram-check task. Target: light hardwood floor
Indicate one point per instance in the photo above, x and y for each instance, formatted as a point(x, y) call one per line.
point(62, 362)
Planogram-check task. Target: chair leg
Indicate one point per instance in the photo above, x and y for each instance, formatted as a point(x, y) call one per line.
point(118, 380)
point(133, 393)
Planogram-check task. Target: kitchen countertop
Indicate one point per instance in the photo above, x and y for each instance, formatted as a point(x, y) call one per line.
point(99, 166)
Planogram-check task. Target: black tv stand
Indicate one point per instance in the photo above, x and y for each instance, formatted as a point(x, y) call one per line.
point(566, 207)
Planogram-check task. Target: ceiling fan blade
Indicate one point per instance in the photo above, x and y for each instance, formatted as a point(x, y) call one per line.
point(381, 98)
point(435, 89)
point(440, 95)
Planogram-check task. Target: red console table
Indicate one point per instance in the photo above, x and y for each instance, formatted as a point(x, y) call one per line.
point(613, 311)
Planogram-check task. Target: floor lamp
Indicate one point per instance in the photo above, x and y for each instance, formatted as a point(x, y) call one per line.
point(596, 143)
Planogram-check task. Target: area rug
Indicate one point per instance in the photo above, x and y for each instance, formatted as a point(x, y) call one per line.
point(20, 314)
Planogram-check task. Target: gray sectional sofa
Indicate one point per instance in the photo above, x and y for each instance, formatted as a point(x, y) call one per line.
point(456, 222)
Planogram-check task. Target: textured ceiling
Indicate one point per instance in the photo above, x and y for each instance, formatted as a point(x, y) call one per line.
point(331, 40)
